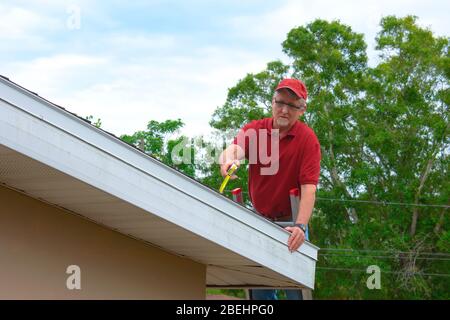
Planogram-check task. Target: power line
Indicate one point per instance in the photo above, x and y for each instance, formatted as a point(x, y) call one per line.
point(390, 272)
point(387, 203)
point(387, 251)
point(376, 257)
point(384, 203)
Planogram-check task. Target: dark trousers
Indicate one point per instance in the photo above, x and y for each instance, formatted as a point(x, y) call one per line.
point(271, 294)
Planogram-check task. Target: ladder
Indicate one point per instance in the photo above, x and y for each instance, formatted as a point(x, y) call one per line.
point(295, 203)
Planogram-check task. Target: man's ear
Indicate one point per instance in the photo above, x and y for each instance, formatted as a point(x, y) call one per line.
point(302, 112)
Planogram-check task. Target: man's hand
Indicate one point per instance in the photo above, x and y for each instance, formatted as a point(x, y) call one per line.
point(296, 238)
point(226, 165)
point(232, 154)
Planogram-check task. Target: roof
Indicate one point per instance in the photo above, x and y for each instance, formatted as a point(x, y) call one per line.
point(59, 158)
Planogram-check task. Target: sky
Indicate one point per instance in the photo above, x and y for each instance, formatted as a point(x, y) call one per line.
point(129, 62)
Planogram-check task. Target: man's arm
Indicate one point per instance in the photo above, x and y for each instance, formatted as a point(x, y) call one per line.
point(233, 153)
point(307, 203)
point(305, 209)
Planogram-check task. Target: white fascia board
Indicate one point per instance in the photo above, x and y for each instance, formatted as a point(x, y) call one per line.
point(45, 132)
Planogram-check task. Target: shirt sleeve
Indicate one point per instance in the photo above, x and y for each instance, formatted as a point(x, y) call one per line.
point(310, 163)
point(243, 138)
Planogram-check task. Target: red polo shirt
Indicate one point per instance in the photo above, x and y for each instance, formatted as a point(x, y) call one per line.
point(298, 163)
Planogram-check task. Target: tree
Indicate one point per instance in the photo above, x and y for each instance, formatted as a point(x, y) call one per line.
point(406, 134)
point(156, 142)
point(332, 61)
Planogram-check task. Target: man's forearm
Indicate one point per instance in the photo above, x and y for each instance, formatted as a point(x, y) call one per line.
point(232, 152)
point(306, 203)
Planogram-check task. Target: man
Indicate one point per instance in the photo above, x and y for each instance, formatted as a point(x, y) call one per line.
point(295, 163)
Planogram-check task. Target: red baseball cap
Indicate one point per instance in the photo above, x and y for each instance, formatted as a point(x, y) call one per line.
point(297, 86)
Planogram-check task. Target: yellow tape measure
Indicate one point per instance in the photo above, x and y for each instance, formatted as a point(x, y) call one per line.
point(230, 172)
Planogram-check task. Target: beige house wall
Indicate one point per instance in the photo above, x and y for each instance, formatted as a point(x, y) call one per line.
point(38, 242)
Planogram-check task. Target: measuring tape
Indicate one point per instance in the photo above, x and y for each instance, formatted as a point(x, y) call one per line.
point(230, 172)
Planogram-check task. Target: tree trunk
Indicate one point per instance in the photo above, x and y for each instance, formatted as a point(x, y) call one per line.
point(440, 222)
point(334, 174)
point(423, 178)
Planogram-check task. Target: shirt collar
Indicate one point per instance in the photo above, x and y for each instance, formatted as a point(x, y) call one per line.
point(292, 131)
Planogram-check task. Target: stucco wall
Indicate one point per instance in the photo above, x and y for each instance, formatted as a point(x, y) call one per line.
point(38, 242)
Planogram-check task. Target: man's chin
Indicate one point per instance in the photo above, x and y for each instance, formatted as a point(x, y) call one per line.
point(282, 123)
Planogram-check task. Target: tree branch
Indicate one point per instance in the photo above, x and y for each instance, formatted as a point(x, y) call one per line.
point(334, 173)
point(423, 178)
point(438, 226)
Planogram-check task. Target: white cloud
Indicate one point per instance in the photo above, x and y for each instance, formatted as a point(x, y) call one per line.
point(141, 42)
point(163, 88)
point(130, 77)
point(127, 94)
point(363, 16)
point(17, 22)
point(55, 74)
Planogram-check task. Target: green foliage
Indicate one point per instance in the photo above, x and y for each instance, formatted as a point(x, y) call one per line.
point(156, 142)
point(97, 123)
point(152, 139)
point(238, 293)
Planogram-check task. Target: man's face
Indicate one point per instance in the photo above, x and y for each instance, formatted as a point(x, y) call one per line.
point(286, 109)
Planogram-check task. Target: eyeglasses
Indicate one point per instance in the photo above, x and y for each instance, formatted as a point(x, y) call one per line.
point(280, 104)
